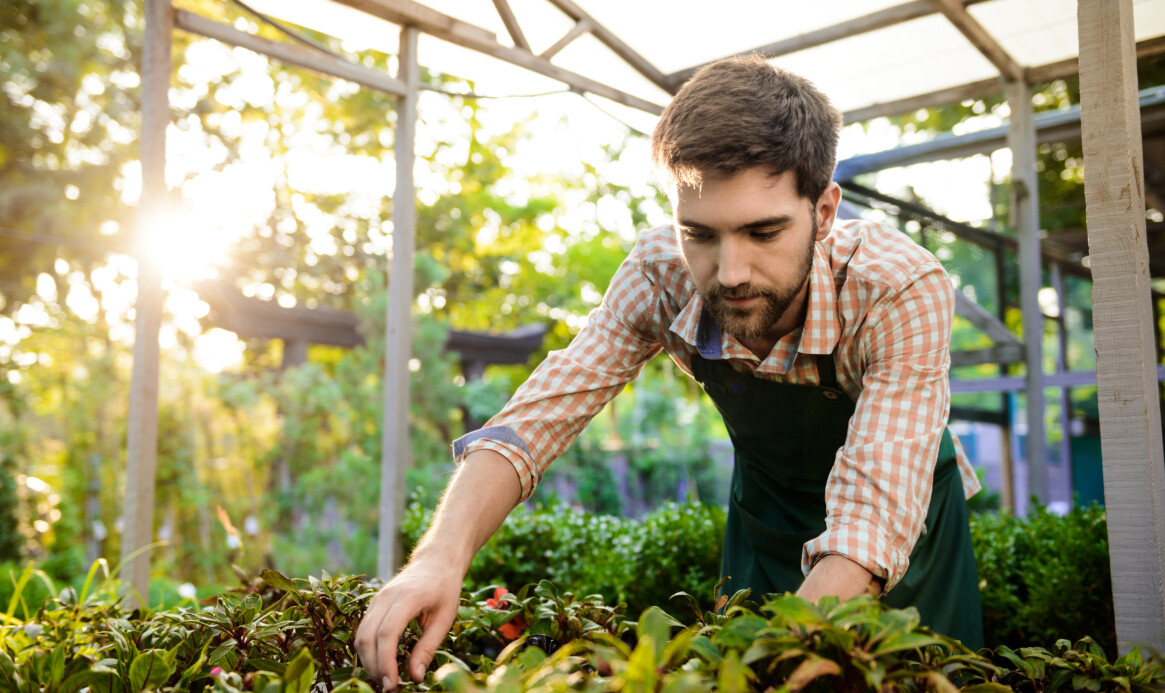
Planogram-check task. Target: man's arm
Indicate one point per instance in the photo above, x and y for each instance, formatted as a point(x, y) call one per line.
point(879, 490)
point(476, 501)
point(838, 576)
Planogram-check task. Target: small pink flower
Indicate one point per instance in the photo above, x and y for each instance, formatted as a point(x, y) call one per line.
point(216, 671)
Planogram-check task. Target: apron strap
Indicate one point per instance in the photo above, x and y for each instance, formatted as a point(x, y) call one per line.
point(826, 371)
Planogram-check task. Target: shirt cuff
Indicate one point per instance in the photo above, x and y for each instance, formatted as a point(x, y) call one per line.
point(862, 544)
point(504, 441)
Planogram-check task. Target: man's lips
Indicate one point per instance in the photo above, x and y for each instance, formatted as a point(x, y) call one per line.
point(739, 302)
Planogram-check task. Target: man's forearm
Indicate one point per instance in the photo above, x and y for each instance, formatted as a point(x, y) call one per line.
point(839, 576)
point(475, 503)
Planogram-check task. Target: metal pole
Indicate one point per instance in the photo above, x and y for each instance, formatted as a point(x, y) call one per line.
point(1021, 138)
point(141, 458)
point(1062, 367)
point(396, 456)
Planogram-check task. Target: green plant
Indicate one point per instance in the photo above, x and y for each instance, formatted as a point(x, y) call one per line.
point(1045, 577)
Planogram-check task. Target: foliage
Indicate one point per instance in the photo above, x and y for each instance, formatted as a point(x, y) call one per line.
point(639, 562)
point(1045, 577)
point(278, 634)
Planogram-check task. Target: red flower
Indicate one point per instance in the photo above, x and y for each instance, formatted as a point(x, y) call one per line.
point(513, 628)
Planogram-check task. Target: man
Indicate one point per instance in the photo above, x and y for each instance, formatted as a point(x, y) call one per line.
point(825, 347)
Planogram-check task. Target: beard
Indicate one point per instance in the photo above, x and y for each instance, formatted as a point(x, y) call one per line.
point(753, 322)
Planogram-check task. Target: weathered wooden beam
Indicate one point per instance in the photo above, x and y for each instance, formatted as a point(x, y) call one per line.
point(836, 32)
point(621, 49)
point(985, 87)
point(253, 317)
point(981, 39)
point(407, 13)
point(984, 321)
point(1000, 353)
point(512, 25)
point(1128, 393)
point(396, 452)
point(580, 27)
point(141, 459)
point(287, 53)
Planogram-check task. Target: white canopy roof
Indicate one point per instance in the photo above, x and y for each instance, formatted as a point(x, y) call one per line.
point(897, 60)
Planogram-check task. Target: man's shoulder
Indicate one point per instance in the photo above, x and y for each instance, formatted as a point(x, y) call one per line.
point(877, 252)
point(658, 245)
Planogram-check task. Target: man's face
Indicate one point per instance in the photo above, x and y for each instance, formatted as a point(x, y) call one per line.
point(747, 240)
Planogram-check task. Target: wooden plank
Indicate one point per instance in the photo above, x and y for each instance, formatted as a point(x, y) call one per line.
point(981, 39)
point(141, 457)
point(621, 49)
point(1000, 353)
point(448, 29)
point(287, 53)
point(580, 27)
point(984, 87)
point(408, 13)
point(512, 25)
point(1026, 221)
point(881, 19)
point(984, 321)
point(1128, 394)
point(396, 453)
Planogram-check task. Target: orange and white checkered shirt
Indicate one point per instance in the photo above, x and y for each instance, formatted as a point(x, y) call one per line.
point(877, 299)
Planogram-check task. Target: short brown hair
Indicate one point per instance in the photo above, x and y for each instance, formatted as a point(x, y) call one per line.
point(743, 112)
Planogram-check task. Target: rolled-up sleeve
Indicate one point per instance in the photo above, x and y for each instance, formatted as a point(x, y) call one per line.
point(879, 489)
point(573, 384)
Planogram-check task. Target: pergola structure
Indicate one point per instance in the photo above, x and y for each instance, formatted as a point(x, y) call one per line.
point(984, 46)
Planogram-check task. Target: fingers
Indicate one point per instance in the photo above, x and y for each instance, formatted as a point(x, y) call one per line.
point(434, 628)
point(378, 636)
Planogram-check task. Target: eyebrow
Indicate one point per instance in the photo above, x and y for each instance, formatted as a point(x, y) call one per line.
point(767, 222)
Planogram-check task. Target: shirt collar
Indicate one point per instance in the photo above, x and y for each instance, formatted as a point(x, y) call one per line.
point(819, 334)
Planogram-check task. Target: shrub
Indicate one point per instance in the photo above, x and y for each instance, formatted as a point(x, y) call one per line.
point(1045, 577)
point(675, 548)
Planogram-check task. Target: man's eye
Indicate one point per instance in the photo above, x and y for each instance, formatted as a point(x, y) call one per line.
point(696, 236)
point(765, 235)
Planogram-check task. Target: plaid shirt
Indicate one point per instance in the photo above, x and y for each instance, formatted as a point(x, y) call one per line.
point(883, 304)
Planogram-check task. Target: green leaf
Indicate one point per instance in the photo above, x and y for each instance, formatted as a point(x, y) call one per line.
point(812, 668)
point(987, 688)
point(734, 676)
point(300, 673)
point(149, 669)
point(279, 581)
point(656, 625)
point(905, 641)
point(705, 649)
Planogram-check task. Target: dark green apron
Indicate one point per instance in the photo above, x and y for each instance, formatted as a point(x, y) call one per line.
point(786, 437)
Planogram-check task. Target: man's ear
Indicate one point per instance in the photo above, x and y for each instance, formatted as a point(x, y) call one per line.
point(826, 209)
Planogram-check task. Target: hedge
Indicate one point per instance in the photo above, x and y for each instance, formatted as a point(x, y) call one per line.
point(1041, 579)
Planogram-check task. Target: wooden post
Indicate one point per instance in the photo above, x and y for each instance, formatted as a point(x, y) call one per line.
point(141, 458)
point(1021, 139)
point(1130, 412)
point(395, 456)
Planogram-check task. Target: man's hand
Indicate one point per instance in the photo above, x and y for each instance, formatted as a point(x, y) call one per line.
point(428, 593)
point(837, 575)
point(428, 589)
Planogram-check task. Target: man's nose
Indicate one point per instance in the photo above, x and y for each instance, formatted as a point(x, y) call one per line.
point(735, 263)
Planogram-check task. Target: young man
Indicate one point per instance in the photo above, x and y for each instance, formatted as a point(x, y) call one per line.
point(823, 345)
